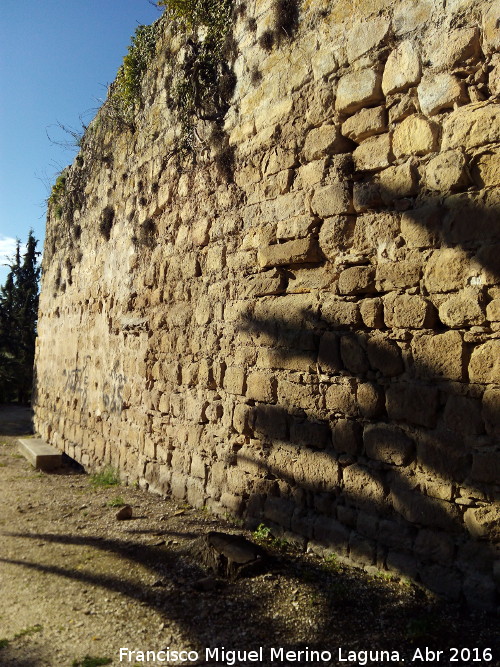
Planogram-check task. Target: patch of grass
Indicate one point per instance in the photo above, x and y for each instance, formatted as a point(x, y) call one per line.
point(4, 643)
point(108, 476)
point(262, 533)
point(263, 536)
point(234, 520)
point(89, 661)
point(116, 502)
point(331, 563)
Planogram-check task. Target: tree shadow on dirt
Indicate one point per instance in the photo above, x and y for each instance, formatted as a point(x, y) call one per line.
point(340, 604)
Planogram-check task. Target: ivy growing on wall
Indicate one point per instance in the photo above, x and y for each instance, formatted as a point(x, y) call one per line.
point(125, 93)
point(204, 82)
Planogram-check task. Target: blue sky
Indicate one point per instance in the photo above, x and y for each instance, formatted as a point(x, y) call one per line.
point(56, 59)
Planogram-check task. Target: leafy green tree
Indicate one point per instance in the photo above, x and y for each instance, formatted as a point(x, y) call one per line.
point(18, 317)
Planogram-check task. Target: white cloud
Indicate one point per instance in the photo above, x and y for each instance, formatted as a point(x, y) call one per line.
point(7, 249)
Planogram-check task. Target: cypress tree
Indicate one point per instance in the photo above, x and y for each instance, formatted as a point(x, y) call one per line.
point(18, 317)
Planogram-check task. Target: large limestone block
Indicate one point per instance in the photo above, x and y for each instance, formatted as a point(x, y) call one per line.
point(299, 251)
point(373, 153)
point(321, 141)
point(415, 136)
point(454, 48)
point(384, 355)
point(398, 181)
point(340, 313)
point(437, 92)
point(316, 470)
point(353, 354)
point(463, 309)
point(324, 62)
point(357, 280)
point(412, 403)
point(332, 534)
point(310, 433)
point(412, 15)
point(486, 466)
point(334, 199)
point(420, 227)
point(443, 454)
point(408, 311)
point(298, 227)
point(294, 395)
point(387, 443)
point(234, 380)
point(402, 69)
point(439, 355)
point(370, 398)
point(425, 511)
point(486, 168)
point(365, 123)
point(491, 410)
point(494, 75)
point(372, 313)
point(483, 522)
point(365, 36)
point(463, 415)
point(375, 230)
point(358, 89)
point(493, 311)
point(446, 270)
point(341, 399)
point(484, 364)
point(364, 487)
point(329, 353)
point(491, 27)
point(335, 234)
point(447, 171)
point(472, 125)
point(347, 436)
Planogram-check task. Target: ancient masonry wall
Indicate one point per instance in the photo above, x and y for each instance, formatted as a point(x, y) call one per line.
point(316, 343)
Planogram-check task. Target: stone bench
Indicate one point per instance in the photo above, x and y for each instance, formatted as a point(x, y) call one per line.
point(39, 453)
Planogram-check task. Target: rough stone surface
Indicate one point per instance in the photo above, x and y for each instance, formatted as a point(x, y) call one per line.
point(402, 69)
point(472, 125)
point(446, 171)
point(440, 91)
point(365, 123)
point(358, 89)
point(373, 153)
point(415, 135)
point(301, 323)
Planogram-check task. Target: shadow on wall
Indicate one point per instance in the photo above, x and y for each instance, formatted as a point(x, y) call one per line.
point(391, 454)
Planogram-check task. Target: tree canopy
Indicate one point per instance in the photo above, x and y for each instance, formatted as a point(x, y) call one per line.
point(18, 318)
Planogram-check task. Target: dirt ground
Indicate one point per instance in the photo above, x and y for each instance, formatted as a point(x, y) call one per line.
point(77, 585)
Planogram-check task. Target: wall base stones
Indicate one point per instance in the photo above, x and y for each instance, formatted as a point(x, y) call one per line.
point(313, 343)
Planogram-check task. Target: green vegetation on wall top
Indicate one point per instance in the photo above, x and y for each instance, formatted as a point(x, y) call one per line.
point(125, 93)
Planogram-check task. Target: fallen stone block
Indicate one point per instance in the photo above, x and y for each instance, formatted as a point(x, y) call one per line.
point(40, 454)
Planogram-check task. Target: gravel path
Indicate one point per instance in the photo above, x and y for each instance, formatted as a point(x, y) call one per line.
point(75, 582)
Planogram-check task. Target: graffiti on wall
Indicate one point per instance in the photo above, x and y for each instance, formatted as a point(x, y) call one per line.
point(77, 380)
point(112, 394)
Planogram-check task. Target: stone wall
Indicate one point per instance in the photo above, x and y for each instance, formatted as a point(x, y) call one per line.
point(312, 341)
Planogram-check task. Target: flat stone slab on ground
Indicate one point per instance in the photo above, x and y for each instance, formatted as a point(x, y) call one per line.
point(40, 454)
